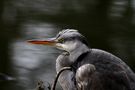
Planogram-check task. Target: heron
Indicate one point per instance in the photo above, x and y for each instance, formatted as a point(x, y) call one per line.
point(92, 69)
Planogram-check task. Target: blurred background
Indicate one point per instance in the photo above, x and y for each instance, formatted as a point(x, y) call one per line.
point(107, 24)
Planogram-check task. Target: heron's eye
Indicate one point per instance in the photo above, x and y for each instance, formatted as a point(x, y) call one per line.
point(61, 40)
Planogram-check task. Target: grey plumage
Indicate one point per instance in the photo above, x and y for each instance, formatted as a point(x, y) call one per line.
point(110, 73)
point(92, 69)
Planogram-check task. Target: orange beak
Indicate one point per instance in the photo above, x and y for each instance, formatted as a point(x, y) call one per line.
point(50, 42)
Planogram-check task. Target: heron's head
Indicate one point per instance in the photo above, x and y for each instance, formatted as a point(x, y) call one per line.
point(68, 40)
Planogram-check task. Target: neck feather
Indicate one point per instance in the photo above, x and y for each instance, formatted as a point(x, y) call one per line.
point(80, 49)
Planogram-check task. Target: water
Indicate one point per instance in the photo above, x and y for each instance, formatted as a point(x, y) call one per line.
point(31, 62)
point(107, 24)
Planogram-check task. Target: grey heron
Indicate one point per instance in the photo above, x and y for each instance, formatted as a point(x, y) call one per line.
point(92, 69)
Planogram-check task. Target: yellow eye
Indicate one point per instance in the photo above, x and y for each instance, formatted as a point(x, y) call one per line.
point(61, 40)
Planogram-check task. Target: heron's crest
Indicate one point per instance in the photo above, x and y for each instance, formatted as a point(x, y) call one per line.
point(71, 34)
point(67, 30)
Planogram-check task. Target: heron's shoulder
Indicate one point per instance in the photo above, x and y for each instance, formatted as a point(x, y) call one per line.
point(104, 57)
point(94, 50)
point(103, 53)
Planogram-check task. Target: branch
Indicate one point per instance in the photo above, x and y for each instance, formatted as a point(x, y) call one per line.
point(57, 76)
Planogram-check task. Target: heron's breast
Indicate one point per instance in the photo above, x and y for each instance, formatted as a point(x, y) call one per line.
point(63, 61)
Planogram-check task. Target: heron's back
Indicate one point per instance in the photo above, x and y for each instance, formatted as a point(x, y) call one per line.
point(112, 72)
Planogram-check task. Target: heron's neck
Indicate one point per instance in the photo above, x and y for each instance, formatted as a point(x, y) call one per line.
point(80, 49)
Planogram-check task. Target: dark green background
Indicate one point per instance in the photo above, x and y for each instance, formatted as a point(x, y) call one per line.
point(107, 24)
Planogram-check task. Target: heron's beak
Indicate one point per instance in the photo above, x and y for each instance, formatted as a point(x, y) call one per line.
point(50, 42)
